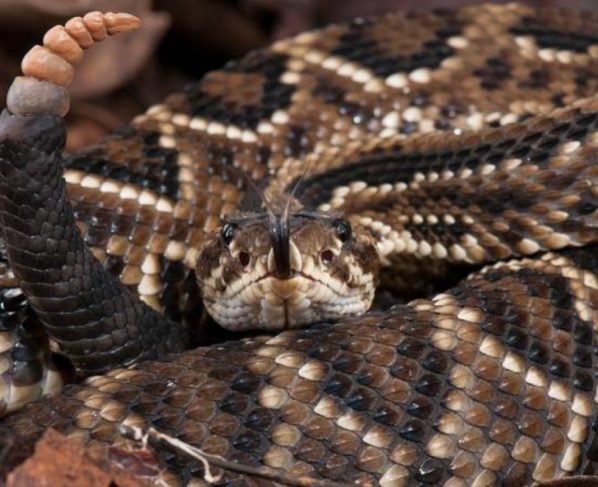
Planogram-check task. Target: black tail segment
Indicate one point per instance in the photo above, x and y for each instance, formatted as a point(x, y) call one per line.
point(91, 315)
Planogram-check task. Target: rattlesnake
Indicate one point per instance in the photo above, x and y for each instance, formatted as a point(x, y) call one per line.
point(463, 137)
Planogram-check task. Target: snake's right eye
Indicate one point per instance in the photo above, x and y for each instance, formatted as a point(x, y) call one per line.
point(343, 230)
point(227, 233)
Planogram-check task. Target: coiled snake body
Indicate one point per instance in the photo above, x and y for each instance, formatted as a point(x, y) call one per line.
point(453, 138)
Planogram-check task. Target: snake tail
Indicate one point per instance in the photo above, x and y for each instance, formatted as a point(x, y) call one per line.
point(50, 68)
point(96, 322)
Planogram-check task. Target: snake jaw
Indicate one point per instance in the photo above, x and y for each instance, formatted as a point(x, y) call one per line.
point(273, 303)
point(252, 296)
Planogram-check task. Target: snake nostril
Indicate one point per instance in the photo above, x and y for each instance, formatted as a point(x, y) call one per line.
point(326, 256)
point(244, 258)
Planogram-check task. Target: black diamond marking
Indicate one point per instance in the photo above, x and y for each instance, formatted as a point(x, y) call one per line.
point(538, 78)
point(335, 96)
point(355, 45)
point(585, 258)
point(221, 161)
point(159, 173)
point(297, 142)
point(276, 95)
point(549, 38)
point(493, 74)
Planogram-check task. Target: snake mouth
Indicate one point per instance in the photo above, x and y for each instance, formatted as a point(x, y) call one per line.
point(294, 276)
point(271, 302)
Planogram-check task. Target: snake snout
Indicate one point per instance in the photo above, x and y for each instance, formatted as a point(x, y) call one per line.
point(295, 263)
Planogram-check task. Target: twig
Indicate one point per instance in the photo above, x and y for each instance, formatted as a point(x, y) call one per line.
point(208, 460)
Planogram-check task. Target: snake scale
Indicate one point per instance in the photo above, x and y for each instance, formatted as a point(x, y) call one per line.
point(450, 140)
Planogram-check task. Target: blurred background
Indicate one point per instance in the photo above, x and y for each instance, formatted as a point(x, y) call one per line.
point(179, 41)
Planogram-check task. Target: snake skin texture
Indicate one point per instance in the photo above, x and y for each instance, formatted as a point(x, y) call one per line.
point(464, 137)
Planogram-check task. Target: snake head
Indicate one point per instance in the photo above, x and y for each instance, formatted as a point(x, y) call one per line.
point(264, 272)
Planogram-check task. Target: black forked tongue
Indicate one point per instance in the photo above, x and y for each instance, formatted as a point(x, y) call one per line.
point(279, 237)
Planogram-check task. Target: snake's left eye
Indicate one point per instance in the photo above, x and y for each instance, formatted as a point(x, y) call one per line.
point(343, 230)
point(227, 233)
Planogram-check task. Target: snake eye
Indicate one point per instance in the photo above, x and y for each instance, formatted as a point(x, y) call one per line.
point(343, 230)
point(227, 233)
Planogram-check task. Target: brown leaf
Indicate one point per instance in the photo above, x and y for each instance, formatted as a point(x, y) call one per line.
point(67, 463)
